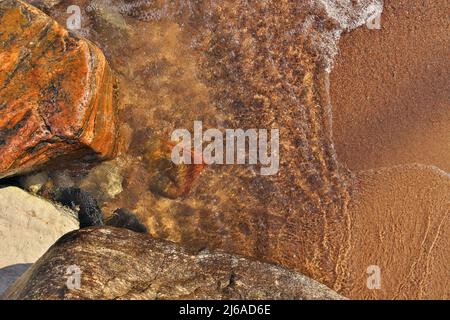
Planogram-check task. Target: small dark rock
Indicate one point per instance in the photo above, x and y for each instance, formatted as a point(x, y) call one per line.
point(123, 218)
point(89, 214)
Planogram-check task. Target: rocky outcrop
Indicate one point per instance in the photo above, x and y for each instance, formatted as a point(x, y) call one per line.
point(120, 264)
point(56, 93)
point(28, 227)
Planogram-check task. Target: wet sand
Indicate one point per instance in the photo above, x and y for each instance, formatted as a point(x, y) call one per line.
point(391, 107)
point(390, 89)
point(401, 223)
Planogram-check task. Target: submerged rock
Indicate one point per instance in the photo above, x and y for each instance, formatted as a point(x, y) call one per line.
point(104, 182)
point(29, 225)
point(90, 214)
point(123, 218)
point(34, 182)
point(166, 178)
point(56, 93)
point(120, 264)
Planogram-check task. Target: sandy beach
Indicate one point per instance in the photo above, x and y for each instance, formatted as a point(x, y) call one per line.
point(390, 89)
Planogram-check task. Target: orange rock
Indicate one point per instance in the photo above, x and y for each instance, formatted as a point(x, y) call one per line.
point(56, 93)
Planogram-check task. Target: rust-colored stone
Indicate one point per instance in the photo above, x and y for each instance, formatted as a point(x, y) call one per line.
point(56, 93)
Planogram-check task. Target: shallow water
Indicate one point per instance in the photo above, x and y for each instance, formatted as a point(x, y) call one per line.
point(242, 65)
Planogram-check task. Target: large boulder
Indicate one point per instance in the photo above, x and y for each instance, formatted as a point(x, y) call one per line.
point(56, 93)
point(120, 264)
point(29, 225)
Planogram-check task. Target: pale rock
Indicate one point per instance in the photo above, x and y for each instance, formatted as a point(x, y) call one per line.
point(29, 225)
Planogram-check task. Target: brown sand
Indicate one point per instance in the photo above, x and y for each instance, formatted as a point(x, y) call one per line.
point(390, 89)
point(400, 222)
point(391, 106)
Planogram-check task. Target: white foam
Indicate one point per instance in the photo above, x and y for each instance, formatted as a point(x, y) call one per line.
point(349, 15)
